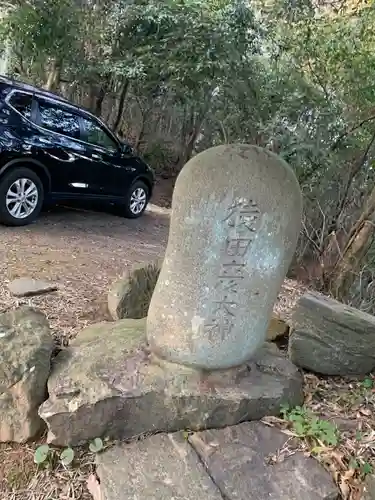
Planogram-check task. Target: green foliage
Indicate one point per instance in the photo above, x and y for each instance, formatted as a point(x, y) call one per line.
point(307, 425)
point(42, 454)
point(160, 156)
point(368, 383)
point(47, 456)
point(67, 456)
point(96, 445)
point(362, 466)
point(41, 28)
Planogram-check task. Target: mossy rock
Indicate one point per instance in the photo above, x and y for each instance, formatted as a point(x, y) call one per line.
point(130, 296)
point(277, 328)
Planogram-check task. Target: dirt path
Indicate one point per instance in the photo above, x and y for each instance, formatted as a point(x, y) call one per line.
point(83, 252)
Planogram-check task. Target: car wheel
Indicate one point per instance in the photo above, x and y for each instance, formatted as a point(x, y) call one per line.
point(136, 200)
point(21, 197)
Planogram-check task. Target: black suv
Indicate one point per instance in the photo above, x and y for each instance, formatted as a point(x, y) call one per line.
point(54, 151)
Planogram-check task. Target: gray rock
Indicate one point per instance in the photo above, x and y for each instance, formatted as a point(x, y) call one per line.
point(130, 296)
point(27, 287)
point(25, 351)
point(236, 459)
point(369, 488)
point(108, 384)
point(227, 464)
point(161, 467)
point(331, 338)
point(236, 214)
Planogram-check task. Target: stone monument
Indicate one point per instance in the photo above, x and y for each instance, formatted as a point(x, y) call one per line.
point(199, 359)
point(236, 215)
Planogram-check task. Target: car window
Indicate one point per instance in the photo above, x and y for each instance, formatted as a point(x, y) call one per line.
point(95, 134)
point(57, 119)
point(22, 103)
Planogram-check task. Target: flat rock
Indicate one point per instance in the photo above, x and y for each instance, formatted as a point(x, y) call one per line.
point(331, 338)
point(236, 459)
point(130, 296)
point(234, 463)
point(162, 467)
point(108, 385)
point(27, 287)
point(25, 352)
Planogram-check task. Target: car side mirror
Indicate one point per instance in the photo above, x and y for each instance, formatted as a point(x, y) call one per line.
point(127, 150)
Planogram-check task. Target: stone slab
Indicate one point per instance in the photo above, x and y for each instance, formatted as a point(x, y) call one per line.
point(108, 385)
point(28, 287)
point(236, 459)
point(331, 338)
point(226, 464)
point(161, 467)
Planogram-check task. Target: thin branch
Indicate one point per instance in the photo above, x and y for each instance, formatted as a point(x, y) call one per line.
point(310, 239)
point(320, 82)
point(350, 131)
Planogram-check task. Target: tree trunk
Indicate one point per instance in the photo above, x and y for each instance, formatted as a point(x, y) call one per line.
point(121, 105)
point(359, 241)
point(191, 128)
point(141, 133)
point(188, 149)
point(91, 98)
point(99, 101)
point(189, 141)
point(54, 76)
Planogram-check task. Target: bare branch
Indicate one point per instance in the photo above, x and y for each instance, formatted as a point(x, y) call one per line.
point(350, 131)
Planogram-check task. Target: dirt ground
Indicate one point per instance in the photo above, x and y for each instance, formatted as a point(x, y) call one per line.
point(83, 253)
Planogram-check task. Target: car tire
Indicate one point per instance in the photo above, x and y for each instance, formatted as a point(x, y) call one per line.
point(132, 209)
point(21, 197)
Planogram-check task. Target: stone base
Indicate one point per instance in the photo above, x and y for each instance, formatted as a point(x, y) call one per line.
point(107, 385)
point(245, 462)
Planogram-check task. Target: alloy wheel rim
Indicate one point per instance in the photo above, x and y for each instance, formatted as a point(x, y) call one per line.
point(138, 201)
point(22, 198)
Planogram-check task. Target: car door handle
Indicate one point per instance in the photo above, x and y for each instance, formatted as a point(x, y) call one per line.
point(66, 157)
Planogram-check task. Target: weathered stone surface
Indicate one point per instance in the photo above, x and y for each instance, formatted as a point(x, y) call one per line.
point(27, 287)
point(369, 488)
point(108, 384)
point(130, 296)
point(25, 351)
point(231, 464)
point(331, 338)
point(236, 214)
point(277, 328)
point(161, 467)
point(236, 459)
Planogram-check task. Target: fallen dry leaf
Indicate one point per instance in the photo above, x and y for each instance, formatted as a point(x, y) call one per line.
point(93, 486)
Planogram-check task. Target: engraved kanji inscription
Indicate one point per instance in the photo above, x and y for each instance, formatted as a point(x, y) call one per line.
point(242, 221)
point(243, 215)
